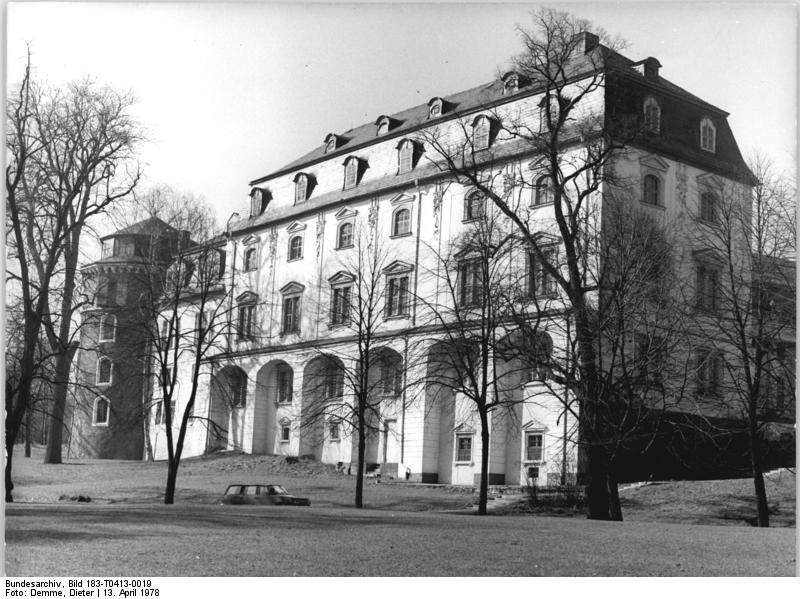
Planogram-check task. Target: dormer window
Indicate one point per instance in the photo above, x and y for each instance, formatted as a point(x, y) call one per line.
point(435, 108)
point(259, 198)
point(652, 115)
point(510, 82)
point(331, 141)
point(481, 131)
point(405, 156)
point(382, 124)
point(300, 188)
point(708, 135)
point(351, 172)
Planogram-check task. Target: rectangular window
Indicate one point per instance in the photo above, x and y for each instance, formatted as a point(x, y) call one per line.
point(707, 288)
point(470, 283)
point(649, 356)
point(333, 431)
point(397, 296)
point(245, 324)
point(286, 433)
point(533, 447)
point(285, 386)
point(340, 305)
point(708, 373)
point(463, 448)
point(291, 314)
point(541, 281)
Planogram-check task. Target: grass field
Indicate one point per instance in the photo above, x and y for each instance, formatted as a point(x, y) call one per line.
point(406, 530)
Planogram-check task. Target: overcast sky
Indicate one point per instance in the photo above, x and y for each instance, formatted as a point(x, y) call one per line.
point(231, 92)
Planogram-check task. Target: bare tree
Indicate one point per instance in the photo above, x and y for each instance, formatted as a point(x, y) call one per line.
point(571, 148)
point(71, 156)
point(473, 317)
point(357, 378)
point(184, 316)
point(744, 311)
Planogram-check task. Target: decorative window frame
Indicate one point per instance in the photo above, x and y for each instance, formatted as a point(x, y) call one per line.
point(104, 318)
point(296, 229)
point(706, 261)
point(250, 259)
point(340, 280)
point(547, 244)
point(655, 166)
point(278, 401)
point(530, 429)
point(402, 202)
point(468, 218)
point(397, 270)
point(651, 115)
point(708, 141)
point(246, 301)
point(464, 431)
point(291, 291)
point(95, 421)
point(384, 124)
point(345, 216)
point(110, 380)
point(337, 437)
point(548, 191)
point(285, 430)
point(709, 184)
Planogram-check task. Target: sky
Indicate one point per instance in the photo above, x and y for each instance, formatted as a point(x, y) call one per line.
point(230, 92)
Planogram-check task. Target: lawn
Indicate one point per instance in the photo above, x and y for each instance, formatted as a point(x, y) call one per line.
point(406, 530)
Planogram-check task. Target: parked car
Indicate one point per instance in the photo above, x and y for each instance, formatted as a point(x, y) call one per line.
point(261, 495)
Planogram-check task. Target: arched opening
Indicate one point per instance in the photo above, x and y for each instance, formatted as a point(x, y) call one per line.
point(385, 409)
point(323, 398)
point(226, 414)
point(274, 396)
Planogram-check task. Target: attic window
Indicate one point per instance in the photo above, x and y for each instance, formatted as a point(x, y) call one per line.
point(652, 115)
point(351, 172)
point(259, 198)
point(510, 82)
point(708, 135)
point(383, 125)
point(301, 188)
point(435, 107)
point(481, 132)
point(330, 143)
point(405, 156)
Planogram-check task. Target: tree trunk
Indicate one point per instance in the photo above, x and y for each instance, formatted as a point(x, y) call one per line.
point(9, 455)
point(758, 480)
point(593, 475)
point(172, 477)
point(28, 432)
point(483, 497)
point(56, 422)
point(615, 509)
point(362, 449)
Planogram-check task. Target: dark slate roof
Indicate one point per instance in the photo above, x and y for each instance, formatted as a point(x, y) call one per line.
point(492, 94)
point(149, 226)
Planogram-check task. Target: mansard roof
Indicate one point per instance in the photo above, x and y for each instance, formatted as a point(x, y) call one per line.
point(727, 158)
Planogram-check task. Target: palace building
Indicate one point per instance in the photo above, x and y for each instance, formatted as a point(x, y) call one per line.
point(377, 200)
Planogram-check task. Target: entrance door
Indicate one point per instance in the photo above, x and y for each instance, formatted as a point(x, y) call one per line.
point(391, 443)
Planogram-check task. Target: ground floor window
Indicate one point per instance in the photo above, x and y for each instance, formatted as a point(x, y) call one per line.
point(333, 431)
point(100, 416)
point(463, 448)
point(534, 443)
point(286, 431)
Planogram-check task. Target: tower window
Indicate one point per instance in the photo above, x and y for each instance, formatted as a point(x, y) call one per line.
point(651, 190)
point(101, 411)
